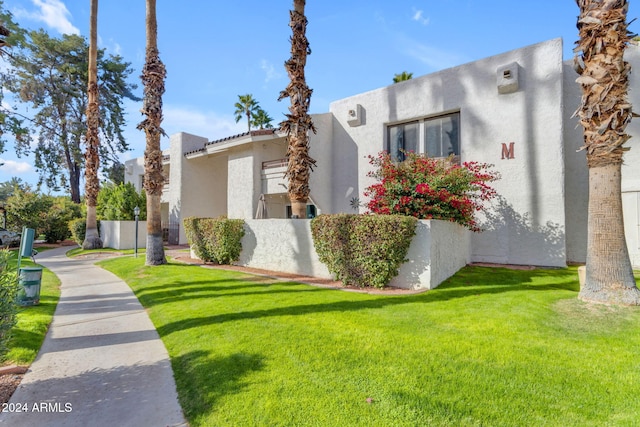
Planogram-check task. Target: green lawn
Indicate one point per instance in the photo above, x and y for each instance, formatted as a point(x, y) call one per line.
point(490, 347)
point(33, 321)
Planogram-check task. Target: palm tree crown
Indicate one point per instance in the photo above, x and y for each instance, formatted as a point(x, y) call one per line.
point(245, 107)
point(261, 119)
point(397, 78)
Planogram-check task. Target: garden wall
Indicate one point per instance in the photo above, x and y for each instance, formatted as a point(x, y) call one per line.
point(437, 251)
point(281, 245)
point(121, 234)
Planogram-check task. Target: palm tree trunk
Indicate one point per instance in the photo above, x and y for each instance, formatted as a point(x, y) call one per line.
point(298, 123)
point(92, 160)
point(153, 76)
point(604, 114)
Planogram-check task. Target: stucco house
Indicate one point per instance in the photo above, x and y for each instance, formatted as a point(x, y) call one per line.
point(513, 110)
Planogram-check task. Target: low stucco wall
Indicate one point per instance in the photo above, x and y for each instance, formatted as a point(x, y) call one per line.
point(281, 245)
point(437, 251)
point(121, 234)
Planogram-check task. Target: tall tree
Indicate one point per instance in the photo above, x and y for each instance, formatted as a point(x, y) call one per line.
point(261, 119)
point(10, 122)
point(298, 122)
point(92, 160)
point(51, 75)
point(8, 188)
point(245, 107)
point(604, 113)
point(153, 75)
point(404, 76)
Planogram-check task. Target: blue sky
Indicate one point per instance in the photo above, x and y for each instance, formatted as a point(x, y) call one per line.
point(216, 50)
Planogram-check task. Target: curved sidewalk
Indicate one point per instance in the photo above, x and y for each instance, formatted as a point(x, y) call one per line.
point(102, 362)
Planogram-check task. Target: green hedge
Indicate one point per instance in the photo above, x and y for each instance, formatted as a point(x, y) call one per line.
point(216, 240)
point(8, 294)
point(363, 250)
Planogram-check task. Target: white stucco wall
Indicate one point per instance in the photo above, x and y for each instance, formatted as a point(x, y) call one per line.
point(576, 172)
point(121, 234)
point(323, 175)
point(527, 224)
point(438, 250)
point(577, 175)
point(133, 171)
point(197, 186)
point(630, 170)
point(245, 183)
point(281, 245)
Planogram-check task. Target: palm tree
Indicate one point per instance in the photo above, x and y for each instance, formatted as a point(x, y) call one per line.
point(604, 113)
point(404, 76)
point(298, 122)
point(261, 119)
point(92, 160)
point(153, 75)
point(245, 107)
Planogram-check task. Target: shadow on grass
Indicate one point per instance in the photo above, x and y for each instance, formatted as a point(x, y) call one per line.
point(462, 285)
point(198, 371)
point(181, 291)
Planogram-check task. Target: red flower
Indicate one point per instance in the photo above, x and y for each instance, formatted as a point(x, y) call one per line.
point(422, 188)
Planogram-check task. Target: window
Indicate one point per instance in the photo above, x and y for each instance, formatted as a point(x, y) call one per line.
point(403, 138)
point(437, 137)
point(311, 211)
point(442, 136)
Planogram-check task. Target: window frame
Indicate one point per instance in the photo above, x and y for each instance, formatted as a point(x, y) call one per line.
point(421, 143)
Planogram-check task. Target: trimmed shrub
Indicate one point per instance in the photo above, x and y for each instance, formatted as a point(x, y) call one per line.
point(363, 250)
point(216, 240)
point(78, 229)
point(8, 294)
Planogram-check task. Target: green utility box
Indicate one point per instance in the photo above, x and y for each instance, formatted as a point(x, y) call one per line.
point(29, 281)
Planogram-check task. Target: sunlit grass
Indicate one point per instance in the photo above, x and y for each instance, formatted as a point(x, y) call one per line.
point(79, 251)
point(33, 321)
point(488, 347)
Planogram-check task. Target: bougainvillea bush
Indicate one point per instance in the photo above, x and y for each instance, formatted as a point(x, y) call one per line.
point(428, 188)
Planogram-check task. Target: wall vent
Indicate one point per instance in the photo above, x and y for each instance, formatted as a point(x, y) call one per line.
point(507, 78)
point(354, 115)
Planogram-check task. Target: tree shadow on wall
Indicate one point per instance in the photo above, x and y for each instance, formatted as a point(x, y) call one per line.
point(527, 243)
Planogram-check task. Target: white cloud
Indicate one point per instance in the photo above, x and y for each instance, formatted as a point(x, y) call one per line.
point(116, 49)
point(435, 58)
point(13, 167)
point(418, 16)
point(208, 124)
point(53, 13)
point(269, 71)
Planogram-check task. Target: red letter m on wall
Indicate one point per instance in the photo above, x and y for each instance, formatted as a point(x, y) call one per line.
point(508, 152)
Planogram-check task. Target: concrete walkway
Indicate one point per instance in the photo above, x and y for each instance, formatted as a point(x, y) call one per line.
point(102, 362)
